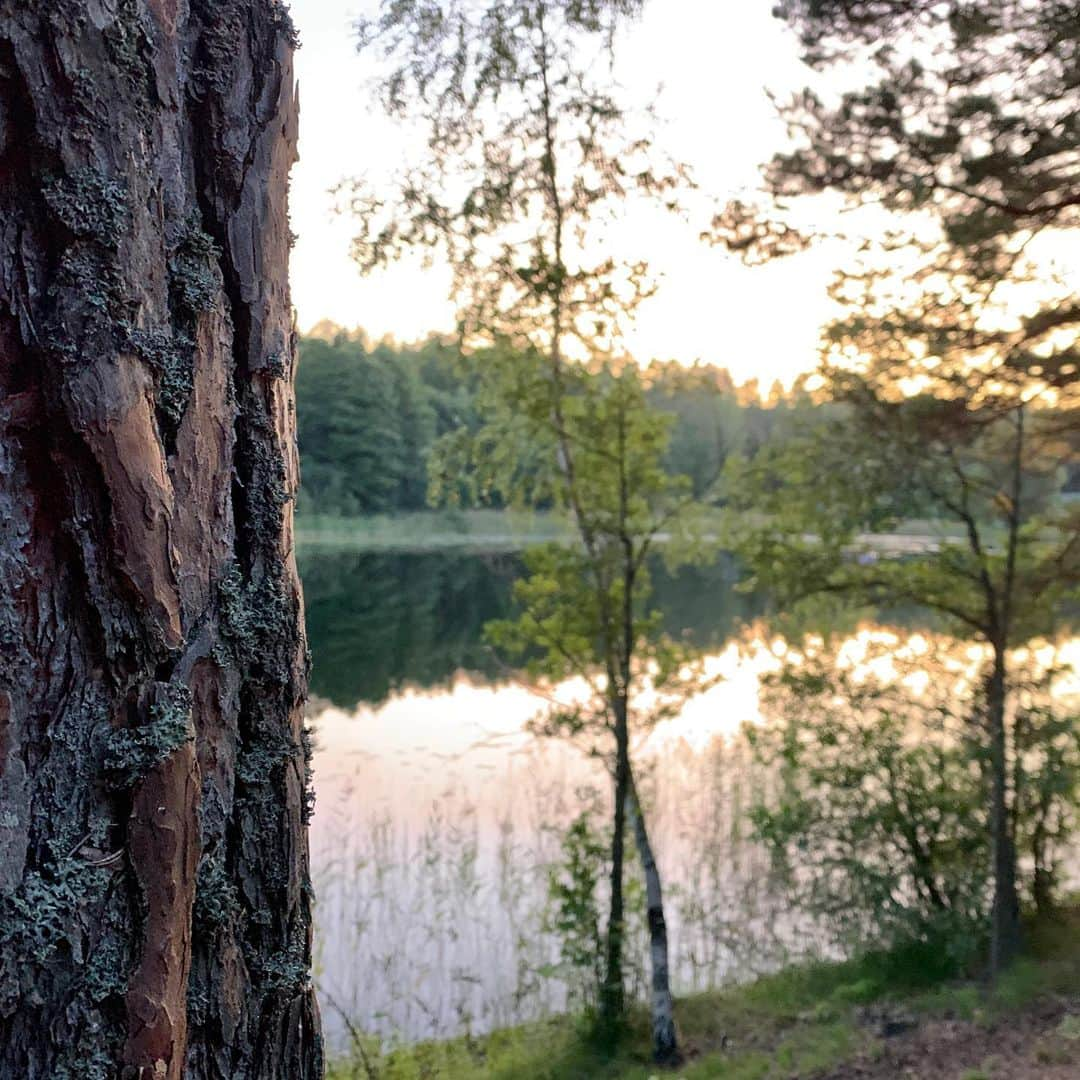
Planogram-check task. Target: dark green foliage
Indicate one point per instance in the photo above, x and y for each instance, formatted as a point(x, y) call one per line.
point(369, 416)
point(367, 420)
point(969, 111)
point(133, 751)
point(963, 126)
point(713, 419)
point(877, 819)
point(1047, 784)
point(574, 907)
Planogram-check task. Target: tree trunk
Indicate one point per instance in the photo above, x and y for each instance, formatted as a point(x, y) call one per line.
point(1005, 919)
point(155, 907)
point(1042, 880)
point(664, 1041)
point(612, 993)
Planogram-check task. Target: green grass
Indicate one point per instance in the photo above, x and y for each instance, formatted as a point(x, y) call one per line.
point(796, 1023)
point(776, 1027)
point(482, 530)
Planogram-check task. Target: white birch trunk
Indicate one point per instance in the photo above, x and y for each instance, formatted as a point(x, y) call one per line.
point(662, 1007)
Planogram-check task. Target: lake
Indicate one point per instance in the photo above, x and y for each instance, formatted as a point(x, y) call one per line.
point(438, 816)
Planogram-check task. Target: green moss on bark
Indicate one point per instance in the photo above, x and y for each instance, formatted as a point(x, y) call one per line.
point(217, 903)
point(171, 357)
point(194, 277)
point(133, 752)
point(89, 205)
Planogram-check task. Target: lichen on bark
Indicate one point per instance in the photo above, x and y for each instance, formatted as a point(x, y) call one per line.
point(155, 908)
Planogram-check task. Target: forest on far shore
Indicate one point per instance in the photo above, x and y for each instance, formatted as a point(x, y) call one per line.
point(369, 413)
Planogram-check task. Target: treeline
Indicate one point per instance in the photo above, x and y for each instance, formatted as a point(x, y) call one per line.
point(368, 416)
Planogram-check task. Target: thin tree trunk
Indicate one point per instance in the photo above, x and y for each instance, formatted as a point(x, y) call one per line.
point(612, 993)
point(1042, 883)
point(155, 906)
point(664, 1041)
point(1005, 919)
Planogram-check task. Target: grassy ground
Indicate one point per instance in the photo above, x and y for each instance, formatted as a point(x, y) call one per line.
point(885, 1017)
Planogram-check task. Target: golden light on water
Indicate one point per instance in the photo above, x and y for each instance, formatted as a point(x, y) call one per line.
point(476, 725)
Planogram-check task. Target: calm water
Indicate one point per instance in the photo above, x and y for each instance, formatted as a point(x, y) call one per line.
point(382, 622)
point(437, 816)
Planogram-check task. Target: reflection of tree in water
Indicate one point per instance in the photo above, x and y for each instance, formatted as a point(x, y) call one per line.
point(701, 602)
point(379, 620)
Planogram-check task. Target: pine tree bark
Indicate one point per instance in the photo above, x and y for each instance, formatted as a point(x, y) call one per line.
point(155, 907)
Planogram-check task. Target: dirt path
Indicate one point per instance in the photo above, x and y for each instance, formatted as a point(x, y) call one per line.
point(1043, 1043)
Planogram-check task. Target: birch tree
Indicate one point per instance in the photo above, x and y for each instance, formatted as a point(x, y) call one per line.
point(529, 158)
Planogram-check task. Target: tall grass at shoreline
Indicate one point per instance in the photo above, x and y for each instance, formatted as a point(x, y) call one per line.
point(439, 929)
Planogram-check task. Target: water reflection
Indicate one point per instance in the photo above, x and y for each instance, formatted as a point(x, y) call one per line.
point(378, 621)
point(437, 815)
point(381, 621)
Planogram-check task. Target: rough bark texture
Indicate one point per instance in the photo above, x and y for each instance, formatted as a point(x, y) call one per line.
point(154, 897)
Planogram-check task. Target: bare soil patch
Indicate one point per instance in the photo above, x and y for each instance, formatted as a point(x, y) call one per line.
point(1041, 1042)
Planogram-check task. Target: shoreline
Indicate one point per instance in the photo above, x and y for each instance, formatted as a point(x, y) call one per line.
point(876, 1018)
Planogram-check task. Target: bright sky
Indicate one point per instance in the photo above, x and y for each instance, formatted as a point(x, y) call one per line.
point(715, 59)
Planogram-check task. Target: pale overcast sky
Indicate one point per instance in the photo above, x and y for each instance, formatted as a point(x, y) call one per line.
point(715, 59)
